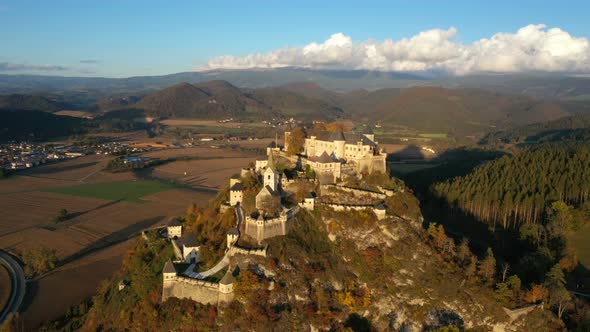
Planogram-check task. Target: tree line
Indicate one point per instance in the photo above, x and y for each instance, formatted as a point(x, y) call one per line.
point(515, 190)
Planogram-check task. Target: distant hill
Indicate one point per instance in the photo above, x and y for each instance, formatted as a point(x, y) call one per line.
point(540, 86)
point(300, 106)
point(31, 103)
point(210, 100)
point(219, 100)
point(573, 128)
point(36, 125)
point(450, 110)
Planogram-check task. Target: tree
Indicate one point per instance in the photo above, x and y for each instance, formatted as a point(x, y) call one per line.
point(246, 284)
point(39, 260)
point(559, 297)
point(514, 282)
point(463, 251)
point(62, 215)
point(502, 292)
point(536, 293)
point(295, 141)
point(487, 266)
point(470, 267)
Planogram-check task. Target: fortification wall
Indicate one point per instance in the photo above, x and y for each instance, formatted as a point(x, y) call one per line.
point(265, 229)
point(381, 214)
point(234, 250)
point(355, 191)
point(197, 290)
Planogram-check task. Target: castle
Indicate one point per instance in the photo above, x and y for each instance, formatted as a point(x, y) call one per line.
point(342, 153)
point(332, 155)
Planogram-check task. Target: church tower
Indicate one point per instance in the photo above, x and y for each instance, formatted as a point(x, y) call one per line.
point(271, 176)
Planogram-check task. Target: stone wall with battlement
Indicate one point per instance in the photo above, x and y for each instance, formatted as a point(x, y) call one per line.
point(197, 290)
point(357, 207)
point(356, 191)
point(261, 229)
point(235, 250)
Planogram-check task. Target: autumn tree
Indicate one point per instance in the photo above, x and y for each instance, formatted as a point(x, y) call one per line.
point(39, 260)
point(247, 284)
point(487, 266)
point(463, 251)
point(536, 293)
point(295, 141)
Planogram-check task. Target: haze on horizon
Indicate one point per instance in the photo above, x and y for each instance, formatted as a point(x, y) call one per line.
point(133, 38)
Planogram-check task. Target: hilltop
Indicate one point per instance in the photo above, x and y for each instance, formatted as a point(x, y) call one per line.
point(31, 103)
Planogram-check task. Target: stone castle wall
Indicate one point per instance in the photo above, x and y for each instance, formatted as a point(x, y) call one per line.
point(260, 229)
point(197, 290)
point(355, 191)
point(234, 250)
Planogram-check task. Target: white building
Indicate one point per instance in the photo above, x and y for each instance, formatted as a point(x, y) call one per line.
point(190, 249)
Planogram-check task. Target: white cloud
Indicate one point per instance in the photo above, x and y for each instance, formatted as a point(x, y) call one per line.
point(531, 48)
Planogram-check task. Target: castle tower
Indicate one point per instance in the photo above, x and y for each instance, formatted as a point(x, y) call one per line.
point(270, 175)
point(232, 236)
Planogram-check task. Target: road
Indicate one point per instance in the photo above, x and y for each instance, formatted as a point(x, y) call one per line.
point(18, 284)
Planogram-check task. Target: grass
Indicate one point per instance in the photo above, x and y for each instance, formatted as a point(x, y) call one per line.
point(582, 245)
point(433, 135)
point(129, 191)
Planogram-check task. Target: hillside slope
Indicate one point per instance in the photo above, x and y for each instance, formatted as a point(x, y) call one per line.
point(31, 103)
point(451, 110)
point(332, 271)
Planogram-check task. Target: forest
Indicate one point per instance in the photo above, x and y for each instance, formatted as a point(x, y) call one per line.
point(515, 190)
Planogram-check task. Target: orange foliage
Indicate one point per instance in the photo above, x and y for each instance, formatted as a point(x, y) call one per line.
point(536, 294)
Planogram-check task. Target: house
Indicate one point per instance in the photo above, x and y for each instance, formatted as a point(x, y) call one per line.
point(174, 228)
point(236, 194)
point(190, 249)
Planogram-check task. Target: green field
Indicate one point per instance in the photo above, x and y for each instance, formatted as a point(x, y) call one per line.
point(130, 191)
point(433, 135)
point(582, 245)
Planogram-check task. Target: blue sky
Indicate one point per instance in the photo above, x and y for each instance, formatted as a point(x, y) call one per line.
point(128, 38)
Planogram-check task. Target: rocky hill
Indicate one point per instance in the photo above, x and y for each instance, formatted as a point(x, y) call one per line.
point(334, 270)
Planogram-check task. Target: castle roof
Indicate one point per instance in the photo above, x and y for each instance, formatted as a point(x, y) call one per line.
point(349, 138)
point(324, 158)
point(237, 187)
point(269, 190)
point(233, 231)
point(228, 278)
point(169, 267)
point(380, 207)
point(172, 222)
point(190, 241)
point(310, 194)
point(272, 144)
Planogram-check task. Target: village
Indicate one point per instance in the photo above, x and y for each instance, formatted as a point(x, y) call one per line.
point(320, 175)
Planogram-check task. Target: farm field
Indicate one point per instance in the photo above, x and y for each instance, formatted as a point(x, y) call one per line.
point(101, 222)
point(210, 173)
point(50, 301)
point(433, 135)
point(129, 191)
point(210, 123)
point(5, 286)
